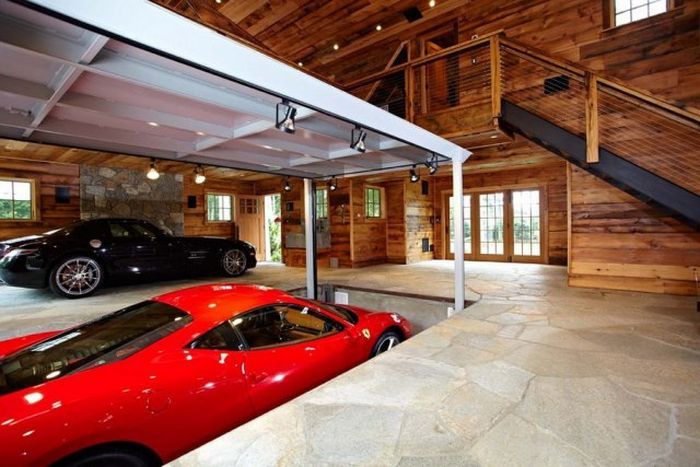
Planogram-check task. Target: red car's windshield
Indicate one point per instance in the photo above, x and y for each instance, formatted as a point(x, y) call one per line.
point(104, 340)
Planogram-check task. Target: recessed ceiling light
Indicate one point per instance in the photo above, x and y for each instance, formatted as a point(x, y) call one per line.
point(431, 3)
point(494, 136)
point(153, 124)
point(218, 1)
point(336, 46)
point(379, 27)
point(300, 64)
point(200, 133)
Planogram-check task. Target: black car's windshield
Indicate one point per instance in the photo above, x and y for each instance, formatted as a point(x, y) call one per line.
point(107, 339)
point(337, 310)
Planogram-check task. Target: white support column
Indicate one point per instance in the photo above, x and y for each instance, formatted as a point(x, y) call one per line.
point(309, 234)
point(459, 232)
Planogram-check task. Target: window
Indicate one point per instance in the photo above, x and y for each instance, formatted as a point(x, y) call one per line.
point(373, 202)
point(467, 209)
point(491, 218)
point(222, 337)
point(628, 11)
point(105, 340)
point(219, 208)
point(321, 203)
point(17, 199)
point(283, 324)
point(526, 223)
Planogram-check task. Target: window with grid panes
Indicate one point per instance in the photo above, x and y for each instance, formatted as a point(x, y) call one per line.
point(321, 203)
point(219, 208)
point(16, 199)
point(629, 11)
point(373, 202)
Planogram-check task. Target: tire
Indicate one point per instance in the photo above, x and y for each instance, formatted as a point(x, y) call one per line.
point(386, 342)
point(76, 277)
point(108, 457)
point(233, 262)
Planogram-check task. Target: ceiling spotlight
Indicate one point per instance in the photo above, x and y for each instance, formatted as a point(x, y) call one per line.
point(153, 173)
point(199, 176)
point(286, 123)
point(333, 184)
point(413, 175)
point(218, 1)
point(153, 124)
point(379, 27)
point(431, 3)
point(287, 186)
point(357, 139)
point(336, 46)
point(200, 133)
point(301, 64)
point(432, 164)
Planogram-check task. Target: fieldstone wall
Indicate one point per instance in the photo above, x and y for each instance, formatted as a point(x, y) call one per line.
point(115, 192)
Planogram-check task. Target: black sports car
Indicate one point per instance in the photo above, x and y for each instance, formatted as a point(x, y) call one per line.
point(76, 260)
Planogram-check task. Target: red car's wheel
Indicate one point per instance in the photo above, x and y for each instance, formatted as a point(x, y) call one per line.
point(108, 456)
point(386, 342)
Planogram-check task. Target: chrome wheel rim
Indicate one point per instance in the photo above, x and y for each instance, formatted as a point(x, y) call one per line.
point(234, 262)
point(78, 276)
point(387, 344)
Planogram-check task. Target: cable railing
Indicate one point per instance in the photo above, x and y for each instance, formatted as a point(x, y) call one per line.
point(458, 91)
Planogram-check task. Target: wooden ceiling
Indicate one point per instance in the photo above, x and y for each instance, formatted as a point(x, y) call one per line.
point(22, 150)
point(306, 30)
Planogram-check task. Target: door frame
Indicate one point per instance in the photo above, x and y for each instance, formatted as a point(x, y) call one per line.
point(508, 233)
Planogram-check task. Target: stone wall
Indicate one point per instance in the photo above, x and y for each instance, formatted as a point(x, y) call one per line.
point(115, 192)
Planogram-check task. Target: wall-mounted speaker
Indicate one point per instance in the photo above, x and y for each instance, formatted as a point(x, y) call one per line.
point(425, 187)
point(62, 195)
point(191, 201)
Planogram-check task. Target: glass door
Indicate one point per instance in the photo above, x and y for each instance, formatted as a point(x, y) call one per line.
point(468, 249)
point(527, 227)
point(492, 226)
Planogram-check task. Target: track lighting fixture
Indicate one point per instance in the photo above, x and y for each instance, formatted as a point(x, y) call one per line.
point(153, 173)
point(357, 139)
point(287, 186)
point(199, 176)
point(285, 117)
point(333, 184)
point(432, 164)
point(414, 176)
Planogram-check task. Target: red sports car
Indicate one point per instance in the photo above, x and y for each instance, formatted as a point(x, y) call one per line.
point(143, 385)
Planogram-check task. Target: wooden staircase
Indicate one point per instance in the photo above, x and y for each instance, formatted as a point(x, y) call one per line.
point(479, 93)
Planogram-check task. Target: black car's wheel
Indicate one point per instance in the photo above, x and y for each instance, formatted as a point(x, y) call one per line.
point(233, 262)
point(108, 457)
point(76, 277)
point(386, 342)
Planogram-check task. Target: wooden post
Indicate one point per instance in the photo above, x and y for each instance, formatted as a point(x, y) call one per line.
point(495, 77)
point(410, 91)
point(592, 135)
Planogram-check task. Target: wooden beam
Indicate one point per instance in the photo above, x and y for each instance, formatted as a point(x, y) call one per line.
point(592, 132)
point(495, 45)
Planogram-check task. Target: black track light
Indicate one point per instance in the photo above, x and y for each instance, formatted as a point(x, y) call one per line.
point(414, 175)
point(287, 185)
point(357, 139)
point(432, 164)
point(285, 117)
point(333, 184)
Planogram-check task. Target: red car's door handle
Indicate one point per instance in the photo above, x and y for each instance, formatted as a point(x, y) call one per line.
point(257, 377)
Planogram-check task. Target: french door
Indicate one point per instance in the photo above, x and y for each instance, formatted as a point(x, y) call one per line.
point(503, 225)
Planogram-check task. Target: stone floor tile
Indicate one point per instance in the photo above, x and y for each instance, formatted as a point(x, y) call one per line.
point(473, 409)
point(426, 433)
point(499, 377)
point(513, 441)
point(599, 418)
point(688, 420)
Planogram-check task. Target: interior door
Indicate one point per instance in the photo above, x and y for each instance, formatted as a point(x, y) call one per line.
point(492, 228)
point(251, 222)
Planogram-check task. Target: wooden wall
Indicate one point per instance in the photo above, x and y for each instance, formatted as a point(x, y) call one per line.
point(196, 218)
point(618, 242)
point(551, 177)
point(660, 54)
point(47, 176)
point(396, 229)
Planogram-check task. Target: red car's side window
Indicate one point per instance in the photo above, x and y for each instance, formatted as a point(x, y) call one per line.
point(283, 325)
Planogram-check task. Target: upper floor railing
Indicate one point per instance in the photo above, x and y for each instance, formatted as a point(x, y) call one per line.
point(458, 91)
